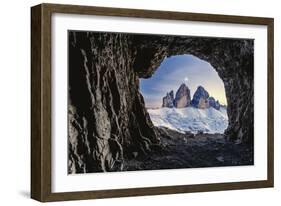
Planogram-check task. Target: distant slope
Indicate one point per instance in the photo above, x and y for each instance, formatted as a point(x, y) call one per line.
point(190, 119)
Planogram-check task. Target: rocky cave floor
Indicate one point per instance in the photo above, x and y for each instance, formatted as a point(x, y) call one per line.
point(192, 151)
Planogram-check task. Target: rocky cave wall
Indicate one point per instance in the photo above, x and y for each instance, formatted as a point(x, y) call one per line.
point(107, 119)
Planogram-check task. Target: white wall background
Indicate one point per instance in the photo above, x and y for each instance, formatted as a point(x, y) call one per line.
point(15, 102)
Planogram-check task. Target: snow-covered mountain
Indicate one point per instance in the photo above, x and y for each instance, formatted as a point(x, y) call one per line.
point(201, 98)
point(209, 120)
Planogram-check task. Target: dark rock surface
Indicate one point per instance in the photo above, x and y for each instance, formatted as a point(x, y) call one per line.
point(182, 98)
point(193, 151)
point(168, 100)
point(107, 119)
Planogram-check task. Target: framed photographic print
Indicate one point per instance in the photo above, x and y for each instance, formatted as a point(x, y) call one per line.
point(132, 102)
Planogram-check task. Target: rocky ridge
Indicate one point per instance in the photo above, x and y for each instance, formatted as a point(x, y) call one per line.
point(201, 99)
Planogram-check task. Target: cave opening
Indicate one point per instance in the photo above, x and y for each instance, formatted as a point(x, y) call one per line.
point(186, 94)
point(109, 128)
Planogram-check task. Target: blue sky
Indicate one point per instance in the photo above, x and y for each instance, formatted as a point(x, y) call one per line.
point(176, 70)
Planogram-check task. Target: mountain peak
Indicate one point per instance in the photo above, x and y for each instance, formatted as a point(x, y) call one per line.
point(182, 98)
point(200, 98)
point(183, 85)
point(168, 100)
point(201, 89)
point(214, 103)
